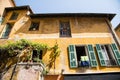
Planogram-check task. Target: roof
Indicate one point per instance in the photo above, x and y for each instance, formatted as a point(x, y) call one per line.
point(118, 26)
point(7, 9)
point(108, 15)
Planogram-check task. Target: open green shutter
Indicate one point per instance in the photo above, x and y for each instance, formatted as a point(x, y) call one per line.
point(116, 52)
point(72, 57)
point(92, 56)
point(100, 55)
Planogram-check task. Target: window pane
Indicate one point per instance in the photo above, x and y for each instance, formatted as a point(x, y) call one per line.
point(34, 26)
point(7, 31)
point(65, 29)
point(14, 16)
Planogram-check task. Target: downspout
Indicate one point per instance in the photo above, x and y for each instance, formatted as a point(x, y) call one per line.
point(113, 33)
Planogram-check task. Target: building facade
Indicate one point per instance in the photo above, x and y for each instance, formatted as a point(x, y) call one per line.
point(89, 48)
point(4, 4)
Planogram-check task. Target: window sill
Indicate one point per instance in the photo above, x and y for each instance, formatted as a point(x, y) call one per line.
point(65, 36)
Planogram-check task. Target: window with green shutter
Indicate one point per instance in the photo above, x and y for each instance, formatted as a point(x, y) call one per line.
point(92, 56)
point(82, 56)
point(72, 56)
point(116, 52)
point(1, 20)
point(100, 55)
point(7, 30)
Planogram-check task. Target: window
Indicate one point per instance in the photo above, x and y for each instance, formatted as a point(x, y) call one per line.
point(81, 56)
point(106, 55)
point(7, 30)
point(116, 52)
point(1, 20)
point(14, 16)
point(65, 29)
point(37, 55)
point(34, 26)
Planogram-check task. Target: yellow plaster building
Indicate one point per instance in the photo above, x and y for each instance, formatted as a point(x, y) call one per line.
point(5, 3)
point(86, 40)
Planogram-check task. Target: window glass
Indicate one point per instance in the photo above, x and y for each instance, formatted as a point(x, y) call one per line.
point(7, 30)
point(14, 16)
point(65, 29)
point(34, 26)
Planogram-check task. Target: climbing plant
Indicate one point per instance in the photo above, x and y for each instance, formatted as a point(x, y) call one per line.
point(20, 50)
point(55, 52)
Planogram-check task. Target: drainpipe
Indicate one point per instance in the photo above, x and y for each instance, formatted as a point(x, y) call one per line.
point(113, 33)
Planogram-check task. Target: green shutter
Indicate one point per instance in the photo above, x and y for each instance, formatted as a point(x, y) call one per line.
point(7, 31)
point(1, 20)
point(92, 56)
point(101, 58)
point(116, 52)
point(72, 57)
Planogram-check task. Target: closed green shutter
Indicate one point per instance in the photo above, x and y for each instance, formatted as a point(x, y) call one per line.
point(116, 52)
point(1, 20)
point(72, 57)
point(101, 58)
point(92, 56)
point(7, 31)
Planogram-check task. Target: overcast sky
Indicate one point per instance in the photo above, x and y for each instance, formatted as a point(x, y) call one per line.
point(74, 6)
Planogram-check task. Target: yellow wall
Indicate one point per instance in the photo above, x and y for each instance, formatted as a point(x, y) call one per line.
point(79, 25)
point(118, 32)
point(5, 3)
point(84, 30)
point(20, 21)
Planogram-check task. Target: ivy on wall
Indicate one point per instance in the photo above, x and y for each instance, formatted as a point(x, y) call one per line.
point(21, 51)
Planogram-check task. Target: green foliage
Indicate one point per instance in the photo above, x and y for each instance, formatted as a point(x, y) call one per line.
point(14, 49)
point(22, 51)
point(55, 52)
point(36, 59)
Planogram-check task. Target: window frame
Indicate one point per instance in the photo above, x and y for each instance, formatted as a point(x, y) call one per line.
point(116, 52)
point(39, 54)
point(33, 28)
point(68, 31)
point(14, 16)
point(4, 36)
point(76, 61)
point(106, 55)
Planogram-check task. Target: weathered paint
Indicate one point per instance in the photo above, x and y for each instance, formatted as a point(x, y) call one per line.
point(84, 30)
point(117, 30)
point(4, 4)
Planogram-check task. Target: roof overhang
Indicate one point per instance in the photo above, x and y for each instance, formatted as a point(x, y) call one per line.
point(107, 15)
point(7, 9)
